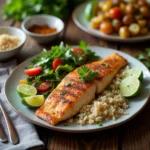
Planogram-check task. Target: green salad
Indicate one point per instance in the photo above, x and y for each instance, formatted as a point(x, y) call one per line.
point(47, 70)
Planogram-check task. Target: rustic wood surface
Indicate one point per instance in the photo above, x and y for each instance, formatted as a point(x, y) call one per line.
point(133, 135)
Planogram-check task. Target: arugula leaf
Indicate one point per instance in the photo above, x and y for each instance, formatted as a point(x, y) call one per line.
point(86, 74)
point(65, 53)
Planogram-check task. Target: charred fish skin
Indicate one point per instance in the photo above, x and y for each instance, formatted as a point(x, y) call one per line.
point(66, 100)
point(107, 69)
point(72, 94)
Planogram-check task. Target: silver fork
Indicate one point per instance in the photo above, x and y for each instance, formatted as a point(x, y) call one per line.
point(11, 130)
point(3, 137)
point(13, 136)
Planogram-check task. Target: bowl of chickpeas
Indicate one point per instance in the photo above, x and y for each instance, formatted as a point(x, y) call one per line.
point(115, 20)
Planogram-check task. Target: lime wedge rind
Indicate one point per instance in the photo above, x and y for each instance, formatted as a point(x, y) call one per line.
point(135, 72)
point(33, 101)
point(25, 90)
point(130, 87)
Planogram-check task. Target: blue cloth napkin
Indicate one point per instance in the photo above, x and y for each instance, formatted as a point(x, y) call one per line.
point(28, 137)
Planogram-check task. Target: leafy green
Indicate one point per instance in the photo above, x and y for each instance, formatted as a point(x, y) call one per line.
point(100, 124)
point(61, 71)
point(86, 74)
point(21, 9)
point(145, 58)
point(66, 54)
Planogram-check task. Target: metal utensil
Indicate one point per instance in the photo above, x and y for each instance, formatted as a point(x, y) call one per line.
point(11, 130)
point(3, 137)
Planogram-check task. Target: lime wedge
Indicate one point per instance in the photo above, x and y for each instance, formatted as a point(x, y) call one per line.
point(90, 10)
point(130, 87)
point(136, 72)
point(25, 90)
point(33, 101)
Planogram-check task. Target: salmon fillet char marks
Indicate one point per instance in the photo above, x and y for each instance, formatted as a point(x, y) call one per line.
point(72, 94)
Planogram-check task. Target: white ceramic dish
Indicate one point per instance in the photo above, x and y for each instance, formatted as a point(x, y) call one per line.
point(5, 55)
point(136, 104)
point(49, 20)
point(82, 23)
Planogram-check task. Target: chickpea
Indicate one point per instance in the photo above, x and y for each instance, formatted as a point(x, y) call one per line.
point(116, 2)
point(144, 31)
point(123, 7)
point(144, 11)
point(134, 29)
point(124, 32)
point(142, 22)
point(130, 9)
point(96, 21)
point(106, 6)
point(141, 2)
point(128, 19)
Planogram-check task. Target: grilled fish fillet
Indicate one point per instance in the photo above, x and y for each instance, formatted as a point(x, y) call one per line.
point(71, 94)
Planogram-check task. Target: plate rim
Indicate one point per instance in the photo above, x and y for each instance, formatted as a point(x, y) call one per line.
point(56, 128)
point(103, 36)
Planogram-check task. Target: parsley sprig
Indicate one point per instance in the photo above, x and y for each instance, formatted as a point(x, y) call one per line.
point(86, 74)
point(145, 58)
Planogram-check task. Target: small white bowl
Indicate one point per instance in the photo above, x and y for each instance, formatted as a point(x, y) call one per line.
point(49, 20)
point(5, 55)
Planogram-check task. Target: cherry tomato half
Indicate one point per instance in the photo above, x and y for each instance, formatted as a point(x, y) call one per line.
point(79, 53)
point(33, 71)
point(56, 63)
point(115, 13)
point(44, 86)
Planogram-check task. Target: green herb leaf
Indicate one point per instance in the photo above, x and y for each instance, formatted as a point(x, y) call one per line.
point(63, 101)
point(86, 74)
point(109, 89)
point(148, 52)
point(140, 56)
point(69, 84)
point(100, 124)
point(145, 59)
point(62, 93)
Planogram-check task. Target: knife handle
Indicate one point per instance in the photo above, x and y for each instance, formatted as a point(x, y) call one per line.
point(11, 130)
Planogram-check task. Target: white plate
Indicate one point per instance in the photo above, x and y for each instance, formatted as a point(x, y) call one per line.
point(82, 23)
point(136, 104)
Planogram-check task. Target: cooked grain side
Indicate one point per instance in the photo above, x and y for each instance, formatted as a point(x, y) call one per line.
point(109, 105)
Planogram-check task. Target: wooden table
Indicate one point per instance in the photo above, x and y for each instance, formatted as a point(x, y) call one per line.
point(133, 135)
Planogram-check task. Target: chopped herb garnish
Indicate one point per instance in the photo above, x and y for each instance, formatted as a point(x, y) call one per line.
point(62, 93)
point(105, 65)
point(69, 83)
point(109, 89)
point(86, 74)
point(145, 58)
point(100, 124)
point(63, 101)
